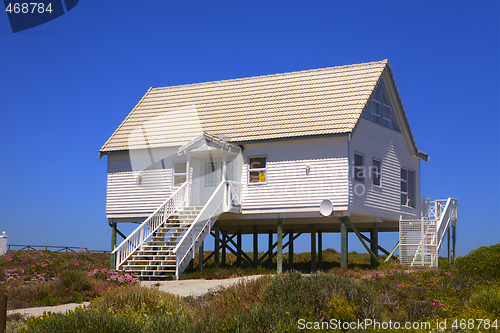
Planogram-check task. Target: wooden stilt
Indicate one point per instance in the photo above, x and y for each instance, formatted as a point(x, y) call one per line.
point(238, 249)
point(113, 244)
point(290, 250)
point(313, 250)
point(320, 248)
point(279, 259)
point(374, 245)
point(449, 245)
point(270, 258)
point(216, 245)
point(255, 247)
point(454, 243)
point(223, 248)
point(343, 242)
point(200, 252)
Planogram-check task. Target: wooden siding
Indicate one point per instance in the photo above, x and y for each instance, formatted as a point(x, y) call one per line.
point(393, 149)
point(127, 196)
point(289, 188)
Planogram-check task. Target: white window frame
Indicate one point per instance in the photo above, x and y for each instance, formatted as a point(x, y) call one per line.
point(362, 166)
point(249, 169)
point(215, 165)
point(408, 187)
point(178, 174)
point(379, 172)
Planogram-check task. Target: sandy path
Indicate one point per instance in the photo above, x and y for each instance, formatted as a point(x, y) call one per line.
point(181, 288)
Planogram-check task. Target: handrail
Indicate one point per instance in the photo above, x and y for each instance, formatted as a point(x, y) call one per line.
point(448, 213)
point(149, 226)
point(213, 208)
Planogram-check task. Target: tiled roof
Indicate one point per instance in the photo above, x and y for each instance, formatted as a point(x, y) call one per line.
point(312, 102)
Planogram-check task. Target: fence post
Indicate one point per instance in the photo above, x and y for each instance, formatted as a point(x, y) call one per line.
point(3, 312)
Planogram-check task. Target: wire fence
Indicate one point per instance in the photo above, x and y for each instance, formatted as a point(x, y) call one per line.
point(52, 248)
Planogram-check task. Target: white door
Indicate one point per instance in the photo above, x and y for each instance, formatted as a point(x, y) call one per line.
point(212, 176)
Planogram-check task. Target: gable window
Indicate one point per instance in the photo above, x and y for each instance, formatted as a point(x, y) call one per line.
point(408, 188)
point(376, 172)
point(380, 110)
point(257, 170)
point(179, 173)
point(359, 172)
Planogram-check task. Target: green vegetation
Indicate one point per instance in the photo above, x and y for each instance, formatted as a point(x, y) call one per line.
point(275, 304)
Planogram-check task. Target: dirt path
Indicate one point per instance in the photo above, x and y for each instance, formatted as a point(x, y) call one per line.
point(181, 288)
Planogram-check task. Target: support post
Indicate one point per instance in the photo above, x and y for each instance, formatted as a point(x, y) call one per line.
point(238, 242)
point(290, 250)
point(270, 258)
point(313, 250)
point(3, 311)
point(113, 244)
point(216, 245)
point(454, 243)
point(449, 245)
point(188, 181)
point(255, 246)
point(279, 259)
point(320, 248)
point(224, 250)
point(374, 244)
point(200, 253)
point(343, 242)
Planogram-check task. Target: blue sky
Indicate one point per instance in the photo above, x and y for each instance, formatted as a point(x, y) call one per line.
point(66, 85)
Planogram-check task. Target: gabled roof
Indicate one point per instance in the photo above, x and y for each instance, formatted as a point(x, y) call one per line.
point(323, 101)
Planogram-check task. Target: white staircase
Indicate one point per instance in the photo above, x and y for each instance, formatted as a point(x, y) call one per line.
point(421, 240)
point(168, 239)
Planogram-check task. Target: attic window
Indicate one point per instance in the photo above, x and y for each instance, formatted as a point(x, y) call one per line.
point(380, 110)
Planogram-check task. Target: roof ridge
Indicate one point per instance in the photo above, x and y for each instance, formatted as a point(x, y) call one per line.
point(385, 61)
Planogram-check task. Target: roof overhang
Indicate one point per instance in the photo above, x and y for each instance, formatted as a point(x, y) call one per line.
point(206, 145)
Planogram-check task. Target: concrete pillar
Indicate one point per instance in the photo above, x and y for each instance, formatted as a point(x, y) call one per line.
point(279, 259)
point(313, 251)
point(374, 244)
point(200, 252)
point(343, 242)
point(290, 250)
point(255, 246)
point(320, 248)
point(238, 250)
point(216, 245)
point(113, 244)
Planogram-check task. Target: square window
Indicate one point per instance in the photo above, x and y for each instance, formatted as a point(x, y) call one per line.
point(257, 170)
point(179, 173)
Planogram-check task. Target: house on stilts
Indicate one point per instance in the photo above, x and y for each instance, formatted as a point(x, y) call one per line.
point(318, 151)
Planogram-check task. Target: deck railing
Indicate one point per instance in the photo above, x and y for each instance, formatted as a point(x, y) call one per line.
point(135, 240)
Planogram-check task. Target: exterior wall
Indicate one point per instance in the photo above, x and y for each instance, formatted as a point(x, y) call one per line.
point(392, 148)
point(288, 187)
point(127, 195)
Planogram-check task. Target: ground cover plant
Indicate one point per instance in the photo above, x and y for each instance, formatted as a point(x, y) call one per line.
point(277, 303)
point(38, 278)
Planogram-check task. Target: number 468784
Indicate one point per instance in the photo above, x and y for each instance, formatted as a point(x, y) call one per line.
point(28, 8)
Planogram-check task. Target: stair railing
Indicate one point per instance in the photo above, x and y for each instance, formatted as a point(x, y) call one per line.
point(447, 215)
point(201, 226)
point(135, 240)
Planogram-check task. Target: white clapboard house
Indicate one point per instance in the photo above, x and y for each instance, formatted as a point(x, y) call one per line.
point(260, 155)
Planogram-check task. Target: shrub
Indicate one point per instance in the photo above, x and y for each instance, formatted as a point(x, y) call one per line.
point(74, 280)
point(82, 321)
point(487, 299)
point(481, 263)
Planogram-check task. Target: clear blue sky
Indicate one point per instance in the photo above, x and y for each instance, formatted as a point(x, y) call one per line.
point(66, 85)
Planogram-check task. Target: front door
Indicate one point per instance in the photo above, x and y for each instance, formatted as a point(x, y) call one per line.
point(211, 177)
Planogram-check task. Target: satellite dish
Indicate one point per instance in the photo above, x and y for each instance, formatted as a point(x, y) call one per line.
point(326, 207)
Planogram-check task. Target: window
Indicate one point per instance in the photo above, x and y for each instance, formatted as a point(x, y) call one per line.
point(408, 190)
point(359, 170)
point(257, 170)
point(379, 109)
point(376, 172)
point(179, 173)
point(211, 174)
